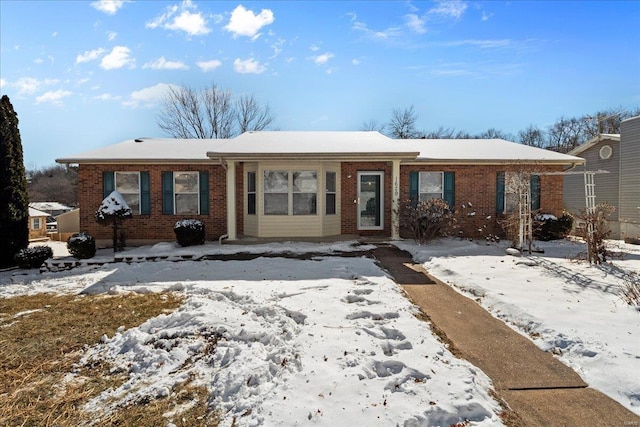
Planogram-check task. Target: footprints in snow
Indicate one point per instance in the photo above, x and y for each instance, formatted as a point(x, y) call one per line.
point(392, 341)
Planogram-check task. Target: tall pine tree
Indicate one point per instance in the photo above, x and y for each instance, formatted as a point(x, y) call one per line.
point(14, 199)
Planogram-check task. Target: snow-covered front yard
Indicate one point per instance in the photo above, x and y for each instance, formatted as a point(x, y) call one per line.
point(333, 341)
point(569, 308)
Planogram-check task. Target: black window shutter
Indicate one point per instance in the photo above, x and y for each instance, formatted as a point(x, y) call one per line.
point(108, 183)
point(204, 193)
point(535, 192)
point(449, 195)
point(167, 193)
point(414, 178)
point(500, 189)
point(145, 194)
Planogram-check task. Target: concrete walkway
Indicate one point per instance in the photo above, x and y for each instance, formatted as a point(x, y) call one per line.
point(540, 389)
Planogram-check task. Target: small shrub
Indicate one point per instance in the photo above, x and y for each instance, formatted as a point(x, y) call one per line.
point(427, 220)
point(33, 257)
point(595, 233)
point(631, 290)
point(189, 232)
point(548, 227)
point(82, 245)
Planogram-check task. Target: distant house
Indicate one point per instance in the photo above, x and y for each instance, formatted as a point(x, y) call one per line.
point(306, 184)
point(619, 156)
point(68, 224)
point(52, 208)
point(37, 224)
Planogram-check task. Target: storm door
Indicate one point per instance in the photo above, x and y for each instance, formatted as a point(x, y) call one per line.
point(370, 200)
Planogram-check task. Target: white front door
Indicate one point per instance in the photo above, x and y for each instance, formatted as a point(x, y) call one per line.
point(370, 200)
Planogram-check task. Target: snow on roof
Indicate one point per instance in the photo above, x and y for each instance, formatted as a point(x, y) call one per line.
point(330, 143)
point(317, 145)
point(593, 141)
point(50, 206)
point(484, 150)
point(35, 212)
point(149, 150)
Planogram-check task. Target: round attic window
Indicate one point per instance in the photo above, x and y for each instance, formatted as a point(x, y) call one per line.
point(605, 152)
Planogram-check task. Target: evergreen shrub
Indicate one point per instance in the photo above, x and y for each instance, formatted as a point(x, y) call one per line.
point(82, 245)
point(33, 257)
point(189, 232)
point(548, 227)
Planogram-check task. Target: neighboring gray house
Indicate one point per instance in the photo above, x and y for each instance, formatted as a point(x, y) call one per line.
point(629, 215)
point(619, 155)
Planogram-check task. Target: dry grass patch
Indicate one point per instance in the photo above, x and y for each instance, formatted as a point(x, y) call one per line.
point(43, 336)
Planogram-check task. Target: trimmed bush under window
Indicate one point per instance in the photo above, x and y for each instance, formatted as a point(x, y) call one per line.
point(189, 232)
point(81, 245)
point(548, 227)
point(33, 257)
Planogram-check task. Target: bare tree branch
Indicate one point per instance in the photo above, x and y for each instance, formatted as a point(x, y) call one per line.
point(210, 113)
point(402, 123)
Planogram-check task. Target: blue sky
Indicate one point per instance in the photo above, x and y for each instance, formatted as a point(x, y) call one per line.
point(82, 75)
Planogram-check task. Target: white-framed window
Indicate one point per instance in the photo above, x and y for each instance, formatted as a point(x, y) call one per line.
point(128, 185)
point(186, 187)
point(276, 192)
point(430, 186)
point(305, 191)
point(251, 193)
point(330, 193)
point(36, 223)
point(290, 192)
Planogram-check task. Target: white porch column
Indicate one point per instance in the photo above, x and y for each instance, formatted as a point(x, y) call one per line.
point(231, 200)
point(395, 200)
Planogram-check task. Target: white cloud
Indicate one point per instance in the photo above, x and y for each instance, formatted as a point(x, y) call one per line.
point(322, 59)
point(482, 44)
point(179, 18)
point(377, 35)
point(38, 60)
point(486, 16)
point(449, 8)
point(54, 34)
point(148, 97)
point(162, 64)
point(248, 66)
point(106, 97)
point(117, 58)
point(111, 35)
point(54, 97)
point(244, 22)
point(110, 7)
point(415, 23)
point(3, 82)
point(208, 65)
point(314, 48)
point(355, 62)
point(29, 85)
point(90, 55)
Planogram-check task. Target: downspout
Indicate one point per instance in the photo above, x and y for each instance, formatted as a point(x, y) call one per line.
point(226, 235)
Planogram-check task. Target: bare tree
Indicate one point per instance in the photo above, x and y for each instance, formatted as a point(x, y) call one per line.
point(403, 123)
point(56, 183)
point(494, 133)
point(251, 116)
point(566, 134)
point(372, 125)
point(532, 136)
point(210, 113)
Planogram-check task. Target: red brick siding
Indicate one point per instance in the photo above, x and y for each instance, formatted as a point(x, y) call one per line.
point(349, 187)
point(476, 184)
point(156, 226)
